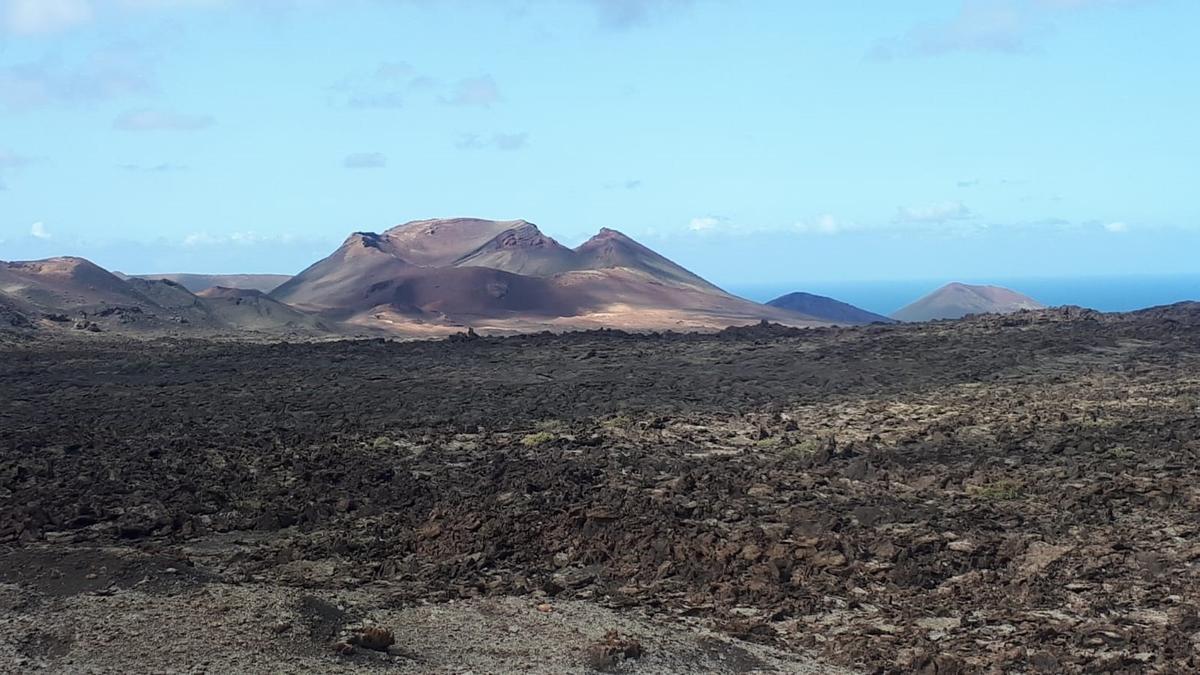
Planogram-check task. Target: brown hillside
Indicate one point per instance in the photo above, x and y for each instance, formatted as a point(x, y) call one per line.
point(466, 270)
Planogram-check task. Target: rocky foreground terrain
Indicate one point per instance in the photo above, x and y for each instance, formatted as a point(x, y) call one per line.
point(998, 494)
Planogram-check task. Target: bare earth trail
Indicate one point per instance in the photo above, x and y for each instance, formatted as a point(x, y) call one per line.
point(1003, 494)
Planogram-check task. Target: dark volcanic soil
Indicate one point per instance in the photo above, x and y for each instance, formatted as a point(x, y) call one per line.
point(1009, 493)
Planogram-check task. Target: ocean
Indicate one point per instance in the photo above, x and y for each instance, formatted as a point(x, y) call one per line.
point(1106, 294)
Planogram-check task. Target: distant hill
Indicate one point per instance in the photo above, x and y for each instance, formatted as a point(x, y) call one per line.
point(1186, 312)
point(827, 309)
point(955, 300)
point(199, 282)
point(422, 278)
point(509, 275)
point(250, 309)
point(66, 283)
point(69, 292)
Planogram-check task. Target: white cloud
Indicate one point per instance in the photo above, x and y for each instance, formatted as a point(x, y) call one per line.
point(1087, 4)
point(509, 141)
point(11, 160)
point(201, 239)
point(39, 231)
point(252, 237)
point(629, 184)
point(498, 141)
point(161, 120)
point(624, 14)
point(478, 91)
point(1117, 227)
point(394, 70)
point(387, 87)
point(365, 160)
point(998, 26)
point(29, 17)
point(170, 4)
point(243, 238)
point(933, 213)
point(979, 25)
point(397, 84)
point(116, 71)
point(162, 167)
point(822, 224)
point(46, 16)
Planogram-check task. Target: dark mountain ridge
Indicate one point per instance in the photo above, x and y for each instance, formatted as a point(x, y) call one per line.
point(827, 309)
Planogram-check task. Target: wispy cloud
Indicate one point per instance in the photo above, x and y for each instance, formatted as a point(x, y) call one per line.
point(380, 100)
point(707, 223)
point(497, 141)
point(933, 213)
point(38, 231)
point(474, 91)
point(631, 184)
point(240, 238)
point(34, 17)
point(394, 84)
point(825, 223)
point(1090, 4)
point(626, 14)
point(365, 160)
point(114, 72)
point(386, 87)
point(163, 167)
point(992, 182)
point(997, 26)
point(12, 160)
point(945, 221)
point(936, 221)
point(161, 120)
point(29, 17)
point(509, 141)
point(979, 25)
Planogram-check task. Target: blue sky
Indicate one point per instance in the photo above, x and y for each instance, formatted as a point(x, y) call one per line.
point(764, 142)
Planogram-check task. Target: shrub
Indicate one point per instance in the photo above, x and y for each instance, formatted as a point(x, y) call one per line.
point(382, 443)
point(802, 450)
point(536, 439)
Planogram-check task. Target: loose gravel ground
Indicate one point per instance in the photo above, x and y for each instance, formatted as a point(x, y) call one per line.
point(1000, 494)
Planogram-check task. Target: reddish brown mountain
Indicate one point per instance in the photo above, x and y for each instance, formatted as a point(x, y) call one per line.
point(425, 277)
point(508, 274)
point(522, 249)
point(199, 282)
point(611, 249)
point(955, 300)
point(71, 292)
point(66, 283)
point(251, 309)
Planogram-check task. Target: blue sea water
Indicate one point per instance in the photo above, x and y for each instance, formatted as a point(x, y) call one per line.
point(1107, 294)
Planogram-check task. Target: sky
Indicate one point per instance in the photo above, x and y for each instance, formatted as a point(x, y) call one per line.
point(758, 143)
